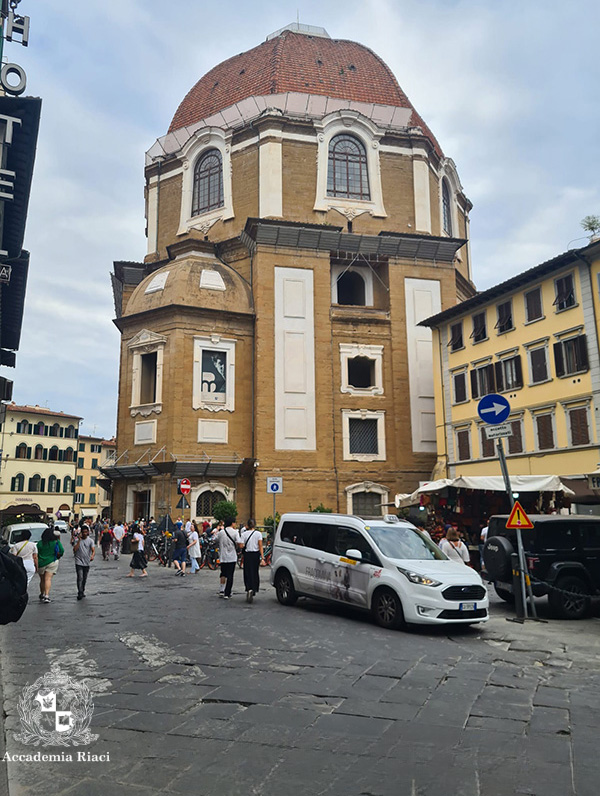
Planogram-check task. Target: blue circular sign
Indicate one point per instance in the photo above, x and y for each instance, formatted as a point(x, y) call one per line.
point(493, 409)
point(274, 487)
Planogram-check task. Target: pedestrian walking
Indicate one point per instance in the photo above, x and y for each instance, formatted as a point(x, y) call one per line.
point(252, 542)
point(84, 551)
point(193, 547)
point(118, 534)
point(180, 551)
point(228, 540)
point(454, 547)
point(27, 552)
point(49, 550)
point(97, 530)
point(106, 541)
point(138, 559)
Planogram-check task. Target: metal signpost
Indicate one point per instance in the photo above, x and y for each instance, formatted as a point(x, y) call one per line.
point(274, 487)
point(185, 487)
point(494, 410)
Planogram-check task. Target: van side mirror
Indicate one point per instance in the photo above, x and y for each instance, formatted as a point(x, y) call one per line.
point(355, 554)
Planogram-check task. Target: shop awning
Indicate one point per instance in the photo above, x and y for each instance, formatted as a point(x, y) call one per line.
point(583, 494)
point(485, 483)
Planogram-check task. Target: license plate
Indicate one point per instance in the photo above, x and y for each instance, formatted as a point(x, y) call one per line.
point(467, 607)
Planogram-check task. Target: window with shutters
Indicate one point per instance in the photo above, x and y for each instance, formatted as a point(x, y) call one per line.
point(483, 381)
point(37, 483)
point(38, 452)
point(515, 442)
point(488, 448)
point(564, 288)
point(538, 365)
point(456, 337)
point(571, 356)
point(463, 444)
point(579, 428)
point(479, 333)
point(17, 483)
point(68, 484)
point(509, 374)
point(505, 319)
point(533, 305)
point(22, 451)
point(544, 427)
point(459, 382)
point(363, 435)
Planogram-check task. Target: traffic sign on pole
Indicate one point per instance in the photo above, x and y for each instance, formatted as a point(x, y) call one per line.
point(183, 504)
point(518, 519)
point(185, 486)
point(275, 486)
point(493, 409)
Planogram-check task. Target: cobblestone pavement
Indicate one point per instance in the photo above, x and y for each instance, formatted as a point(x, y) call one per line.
point(195, 695)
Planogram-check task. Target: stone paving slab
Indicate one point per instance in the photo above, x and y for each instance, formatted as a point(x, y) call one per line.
point(267, 700)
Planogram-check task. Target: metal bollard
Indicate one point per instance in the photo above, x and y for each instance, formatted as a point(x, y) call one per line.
point(516, 579)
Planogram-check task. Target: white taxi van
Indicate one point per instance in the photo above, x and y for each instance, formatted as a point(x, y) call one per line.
point(385, 566)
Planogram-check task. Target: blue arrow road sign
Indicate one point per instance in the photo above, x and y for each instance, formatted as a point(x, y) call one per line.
point(493, 409)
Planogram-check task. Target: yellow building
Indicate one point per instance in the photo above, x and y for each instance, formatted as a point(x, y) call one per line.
point(39, 459)
point(301, 220)
point(533, 339)
point(91, 500)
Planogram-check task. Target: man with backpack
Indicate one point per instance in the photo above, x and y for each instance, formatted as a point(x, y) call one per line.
point(13, 586)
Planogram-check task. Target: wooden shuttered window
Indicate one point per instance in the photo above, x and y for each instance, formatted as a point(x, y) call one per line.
point(515, 443)
point(460, 387)
point(483, 381)
point(509, 374)
point(487, 445)
point(571, 356)
point(545, 432)
point(539, 366)
point(565, 292)
point(463, 444)
point(456, 337)
point(533, 305)
point(580, 430)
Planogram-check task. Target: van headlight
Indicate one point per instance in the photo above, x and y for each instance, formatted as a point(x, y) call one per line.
point(422, 580)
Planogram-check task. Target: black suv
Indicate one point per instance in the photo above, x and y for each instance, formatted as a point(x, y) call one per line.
point(563, 559)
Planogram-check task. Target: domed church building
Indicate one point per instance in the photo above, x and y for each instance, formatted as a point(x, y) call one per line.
point(301, 220)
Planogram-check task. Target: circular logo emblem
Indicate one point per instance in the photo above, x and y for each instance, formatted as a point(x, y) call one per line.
point(56, 711)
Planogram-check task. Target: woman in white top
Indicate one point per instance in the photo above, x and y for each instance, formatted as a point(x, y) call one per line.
point(194, 547)
point(27, 551)
point(138, 559)
point(228, 540)
point(454, 547)
point(253, 557)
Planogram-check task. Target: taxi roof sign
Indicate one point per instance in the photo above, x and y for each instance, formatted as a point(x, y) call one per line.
point(518, 518)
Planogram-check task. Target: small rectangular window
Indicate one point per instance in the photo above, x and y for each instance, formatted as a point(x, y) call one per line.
point(363, 435)
point(539, 365)
point(533, 305)
point(80, 463)
point(505, 319)
point(479, 332)
point(92, 498)
point(306, 534)
point(463, 444)
point(361, 372)
point(578, 426)
point(487, 445)
point(565, 293)
point(82, 447)
point(456, 337)
point(509, 374)
point(94, 464)
point(515, 442)
point(483, 381)
point(460, 387)
point(148, 378)
point(93, 481)
point(545, 432)
point(79, 480)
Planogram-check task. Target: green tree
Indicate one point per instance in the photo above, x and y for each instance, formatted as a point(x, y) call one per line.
point(591, 224)
point(320, 509)
point(224, 509)
point(270, 524)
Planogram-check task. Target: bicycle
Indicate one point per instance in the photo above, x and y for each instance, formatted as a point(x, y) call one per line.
point(209, 552)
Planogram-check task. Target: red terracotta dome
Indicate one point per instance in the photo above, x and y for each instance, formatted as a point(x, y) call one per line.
point(301, 63)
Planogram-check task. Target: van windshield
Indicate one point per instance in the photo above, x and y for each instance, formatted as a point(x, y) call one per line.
point(397, 541)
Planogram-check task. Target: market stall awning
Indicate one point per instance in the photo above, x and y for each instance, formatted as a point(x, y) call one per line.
point(487, 483)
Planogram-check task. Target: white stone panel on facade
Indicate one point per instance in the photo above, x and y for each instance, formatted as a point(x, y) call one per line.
point(422, 300)
point(294, 360)
point(422, 196)
point(214, 431)
point(270, 179)
point(145, 432)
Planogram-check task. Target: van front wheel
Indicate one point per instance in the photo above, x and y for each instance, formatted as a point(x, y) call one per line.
point(284, 588)
point(387, 609)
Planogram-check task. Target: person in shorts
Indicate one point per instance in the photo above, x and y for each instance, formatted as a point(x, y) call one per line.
point(180, 551)
point(49, 550)
point(26, 550)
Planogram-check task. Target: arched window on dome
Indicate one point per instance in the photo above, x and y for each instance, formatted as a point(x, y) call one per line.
point(446, 208)
point(208, 183)
point(347, 174)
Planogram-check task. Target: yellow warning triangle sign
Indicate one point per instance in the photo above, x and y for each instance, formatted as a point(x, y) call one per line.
point(518, 518)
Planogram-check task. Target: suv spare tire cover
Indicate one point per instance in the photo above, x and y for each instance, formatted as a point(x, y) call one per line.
point(496, 555)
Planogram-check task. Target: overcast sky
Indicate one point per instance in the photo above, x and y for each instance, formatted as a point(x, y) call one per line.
point(510, 89)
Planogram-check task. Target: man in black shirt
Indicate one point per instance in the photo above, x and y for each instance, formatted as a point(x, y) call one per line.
point(180, 552)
